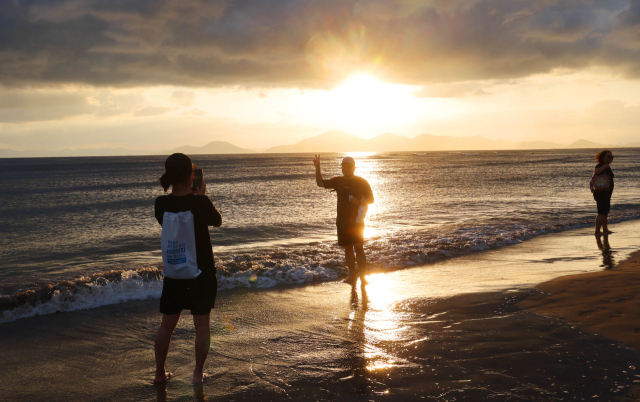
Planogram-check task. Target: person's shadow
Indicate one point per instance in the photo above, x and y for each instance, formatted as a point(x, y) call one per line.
point(608, 261)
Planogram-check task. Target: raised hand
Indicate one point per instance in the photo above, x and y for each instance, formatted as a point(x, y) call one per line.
point(316, 161)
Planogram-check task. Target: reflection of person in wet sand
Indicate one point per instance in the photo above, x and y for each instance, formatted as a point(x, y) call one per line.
point(198, 392)
point(607, 256)
point(602, 195)
point(356, 331)
point(354, 195)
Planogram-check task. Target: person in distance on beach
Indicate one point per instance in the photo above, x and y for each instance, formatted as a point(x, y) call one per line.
point(198, 293)
point(354, 195)
point(603, 198)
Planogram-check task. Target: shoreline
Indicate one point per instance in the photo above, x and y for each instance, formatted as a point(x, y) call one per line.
point(89, 291)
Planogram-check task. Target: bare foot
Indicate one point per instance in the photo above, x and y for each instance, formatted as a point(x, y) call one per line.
point(200, 378)
point(598, 234)
point(351, 279)
point(608, 232)
point(160, 378)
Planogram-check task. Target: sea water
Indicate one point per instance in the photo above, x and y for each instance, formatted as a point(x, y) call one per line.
point(80, 232)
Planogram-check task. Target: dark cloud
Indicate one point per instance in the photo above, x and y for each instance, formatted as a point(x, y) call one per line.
point(631, 16)
point(309, 43)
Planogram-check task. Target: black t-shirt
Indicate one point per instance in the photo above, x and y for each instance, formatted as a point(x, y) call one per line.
point(204, 213)
point(346, 186)
point(610, 173)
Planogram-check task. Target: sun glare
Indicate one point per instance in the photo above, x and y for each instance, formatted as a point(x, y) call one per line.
point(363, 86)
point(364, 102)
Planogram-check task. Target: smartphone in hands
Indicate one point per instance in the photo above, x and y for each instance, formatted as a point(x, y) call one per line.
point(197, 180)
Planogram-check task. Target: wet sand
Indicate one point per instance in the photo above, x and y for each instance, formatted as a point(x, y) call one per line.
point(605, 302)
point(474, 347)
point(437, 332)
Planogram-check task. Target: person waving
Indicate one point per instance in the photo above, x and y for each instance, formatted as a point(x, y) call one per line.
point(354, 196)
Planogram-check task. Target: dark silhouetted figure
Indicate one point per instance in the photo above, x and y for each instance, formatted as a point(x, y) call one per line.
point(603, 195)
point(354, 195)
point(197, 294)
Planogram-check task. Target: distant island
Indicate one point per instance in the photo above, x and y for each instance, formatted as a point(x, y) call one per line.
point(340, 141)
point(212, 148)
point(332, 141)
point(42, 153)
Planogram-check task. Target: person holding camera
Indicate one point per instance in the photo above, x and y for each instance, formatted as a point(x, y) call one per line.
point(354, 196)
point(189, 272)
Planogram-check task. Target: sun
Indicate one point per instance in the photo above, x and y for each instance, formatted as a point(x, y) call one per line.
point(362, 85)
point(363, 95)
point(363, 102)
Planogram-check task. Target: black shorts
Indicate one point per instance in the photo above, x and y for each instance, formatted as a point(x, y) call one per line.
point(348, 235)
point(197, 295)
point(604, 203)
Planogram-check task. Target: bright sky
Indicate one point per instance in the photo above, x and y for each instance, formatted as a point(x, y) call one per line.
point(150, 76)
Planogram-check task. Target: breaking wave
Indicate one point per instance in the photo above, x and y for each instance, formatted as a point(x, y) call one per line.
point(314, 262)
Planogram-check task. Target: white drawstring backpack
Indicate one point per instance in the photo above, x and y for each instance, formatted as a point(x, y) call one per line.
point(179, 246)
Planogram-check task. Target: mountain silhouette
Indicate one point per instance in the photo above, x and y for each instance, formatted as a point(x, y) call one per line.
point(340, 141)
point(214, 147)
point(334, 141)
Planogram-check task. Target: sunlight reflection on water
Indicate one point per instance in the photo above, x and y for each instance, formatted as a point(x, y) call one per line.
point(382, 322)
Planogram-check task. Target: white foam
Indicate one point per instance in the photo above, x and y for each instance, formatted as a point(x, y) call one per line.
point(131, 287)
point(320, 262)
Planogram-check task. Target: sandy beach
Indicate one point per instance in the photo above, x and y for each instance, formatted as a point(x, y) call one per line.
point(428, 332)
point(605, 303)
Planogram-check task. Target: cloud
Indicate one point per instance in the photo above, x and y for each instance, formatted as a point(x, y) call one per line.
point(51, 104)
point(22, 106)
point(309, 43)
point(608, 121)
point(151, 111)
point(194, 112)
point(163, 132)
point(183, 98)
point(614, 116)
point(453, 90)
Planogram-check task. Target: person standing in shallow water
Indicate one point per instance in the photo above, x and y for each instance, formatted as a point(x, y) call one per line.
point(353, 192)
point(603, 198)
point(197, 294)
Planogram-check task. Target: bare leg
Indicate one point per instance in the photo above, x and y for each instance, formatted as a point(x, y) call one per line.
point(605, 229)
point(163, 340)
point(599, 219)
point(203, 342)
point(350, 259)
point(361, 258)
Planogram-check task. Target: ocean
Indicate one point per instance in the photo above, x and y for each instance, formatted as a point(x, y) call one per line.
point(80, 233)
